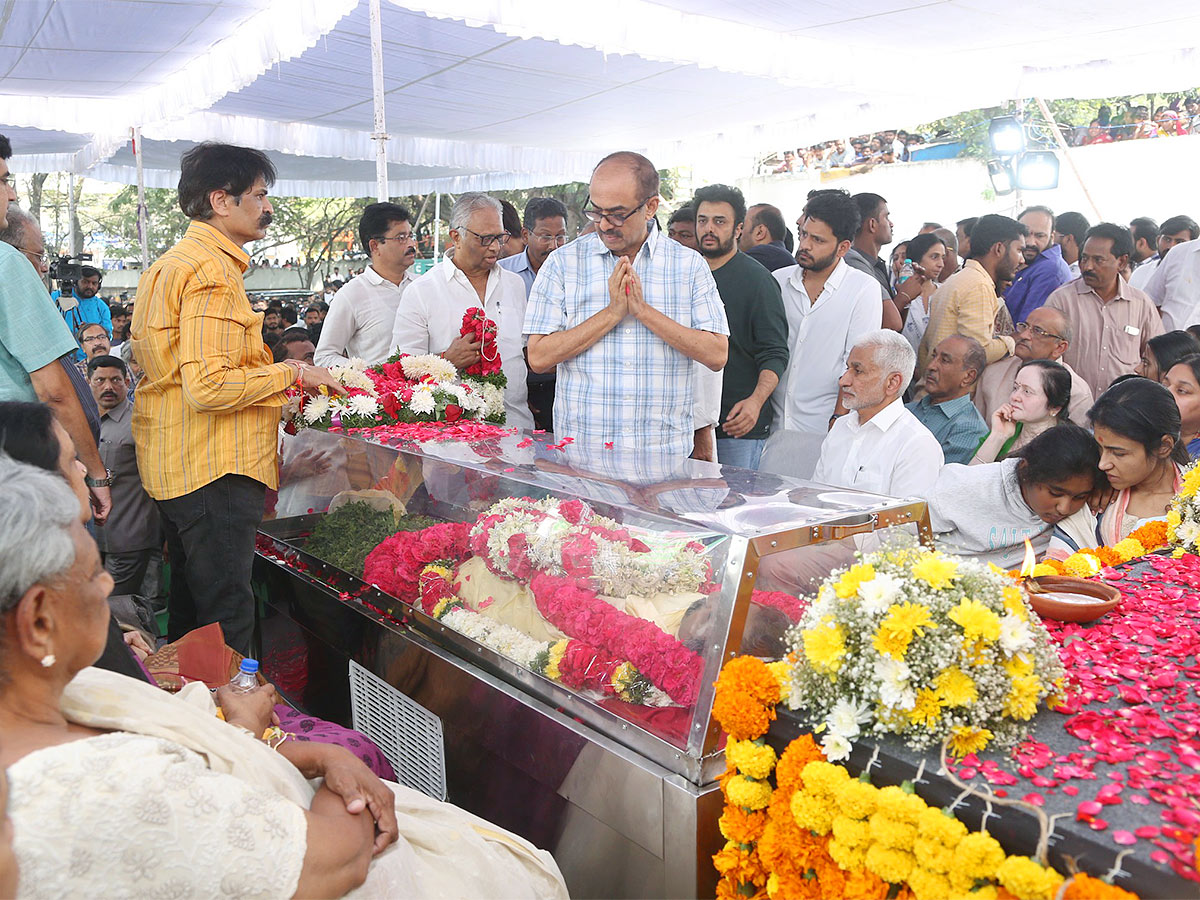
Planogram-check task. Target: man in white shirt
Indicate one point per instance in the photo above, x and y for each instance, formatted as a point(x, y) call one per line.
point(829, 307)
point(363, 312)
point(1175, 286)
point(429, 319)
point(879, 447)
point(1174, 231)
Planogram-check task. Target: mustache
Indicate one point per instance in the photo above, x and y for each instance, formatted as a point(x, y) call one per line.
point(265, 219)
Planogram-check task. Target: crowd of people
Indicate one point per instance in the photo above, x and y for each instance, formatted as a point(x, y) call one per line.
point(884, 147)
point(1036, 377)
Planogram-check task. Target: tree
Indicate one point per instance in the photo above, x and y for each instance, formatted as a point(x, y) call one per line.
point(117, 222)
point(317, 226)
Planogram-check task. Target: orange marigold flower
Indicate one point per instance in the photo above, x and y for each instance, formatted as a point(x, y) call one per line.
point(866, 885)
point(747, 694)
point(742, 827)
point(740, 865)
point(751, 675)
point(1085, 887)
point(1108, 556)
point(798, 754)
point(1152, 535)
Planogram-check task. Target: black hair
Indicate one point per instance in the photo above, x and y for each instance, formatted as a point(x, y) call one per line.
point(510, 219)
point(1145, 229)
point(1057, 454)
point(1056, 384)
point(295, 333)
point(868, 206)
point(209, 167)
point(27, 434)
point(84, 326)
point(770, 218)
point(922, 244)
point(1171, 347)
point(1122, 240)
point(838, 210)
point(289, 315)
point(1075, 225)
point(279, 349)
point(1044, 210)
point(683, 214)
point(89, 272)
point(1194, 331)
point(1144, 411)
point(722, 193)
point(967, 224)
point(990, 230)
point(106, 362)
point(1176, 224)
point(378, 218)
point(789, 240)
point(1192, 361)
point(312, 307)
point(643, 170)
point(5, 148)
point(543, 208)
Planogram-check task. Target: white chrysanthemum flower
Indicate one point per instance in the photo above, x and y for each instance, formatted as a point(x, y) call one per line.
point(422, 402)
point(879, 593)
point(1187, 532)
point(1015, 635)
point(352, 376)
point(835, 746)
point(316, 409)
point(845, 718)
point(416, 367)
point(894, 689)
point(362, 405)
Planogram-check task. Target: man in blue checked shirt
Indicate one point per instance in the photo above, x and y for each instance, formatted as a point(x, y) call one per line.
point(623, 312)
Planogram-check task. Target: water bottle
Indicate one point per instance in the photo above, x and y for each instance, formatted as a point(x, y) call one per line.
point(246, 678)
point(906, 272)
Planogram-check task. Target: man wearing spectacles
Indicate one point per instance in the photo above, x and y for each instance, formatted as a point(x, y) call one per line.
point(34, 338)
point(363, 311)
point(623, 313)
point(544, 228)
point(429, 318)
point(1045, 334)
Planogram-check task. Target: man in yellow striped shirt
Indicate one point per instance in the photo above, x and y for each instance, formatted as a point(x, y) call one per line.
point(207, 414)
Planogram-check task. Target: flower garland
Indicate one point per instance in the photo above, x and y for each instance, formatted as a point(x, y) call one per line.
point(396, 564)
point(1183, 518)
point(821, 833)
point(570, 662)
point(792, 607)
point(571, 607)
point(518, 537)
point(476, 324)
point(925, 646)
point(1090, 560)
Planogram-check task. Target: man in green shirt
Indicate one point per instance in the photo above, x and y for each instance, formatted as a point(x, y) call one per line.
point(758, 345)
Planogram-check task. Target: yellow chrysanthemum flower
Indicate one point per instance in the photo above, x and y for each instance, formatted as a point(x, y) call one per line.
point(956, 687)
point(782, 670)
point(935, 570)
point(747, 793)
point(1019, 665)
point(891, 865)
point(1027, 879)
point(1081, 565)
point(888, 832)
point(928, 885)
point(978, 855)
point(751, 759)
point(977, 621)
point(928, 708)
point(1174, 519)
point(823, 779)
point(849, 857)
point(812, 813)
point(903, 622)
point(1191, 483)
point(1021, 702)
point(852, 832)
point(847, 585)
point(1042, 569)
point(1130, 548)
point(897, 803)
point(858, 799)
point(967, 739)
point(935, 826)
point(934, 855)
point(557, 651)
point(825, 645)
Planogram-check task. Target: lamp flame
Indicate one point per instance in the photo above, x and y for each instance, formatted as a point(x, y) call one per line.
point(1030, 560)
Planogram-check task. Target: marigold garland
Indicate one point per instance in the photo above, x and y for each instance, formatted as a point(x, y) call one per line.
point(822, 834)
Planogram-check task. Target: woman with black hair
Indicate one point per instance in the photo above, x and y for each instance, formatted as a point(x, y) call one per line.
point(1183, 381)
point(928, 251)
point(1163, 351)
point(1040, 397)
point(1136, 425)
point(988, 511)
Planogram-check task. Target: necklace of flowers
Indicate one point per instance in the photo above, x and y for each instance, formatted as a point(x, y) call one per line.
point(475, 323)
point(570, 662)
point(851, 837)
point(1089, 561)
point(395, 565)
point(518, 537)
point(574, 609)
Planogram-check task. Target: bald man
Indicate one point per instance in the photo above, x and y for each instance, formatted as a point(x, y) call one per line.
point(1045, 334)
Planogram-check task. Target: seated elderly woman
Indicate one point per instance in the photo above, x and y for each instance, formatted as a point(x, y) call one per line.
point(118, 787)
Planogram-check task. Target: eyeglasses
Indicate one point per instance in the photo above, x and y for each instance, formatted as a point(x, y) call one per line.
point(94, 338)
point(34, 255)
point(596, 215)
point(1040, 332)
point(558, 239)
point(402, 238)
point(486, 240)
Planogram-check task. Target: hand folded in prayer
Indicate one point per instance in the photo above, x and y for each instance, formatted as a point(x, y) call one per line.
point(618, 288)
point(253, 710)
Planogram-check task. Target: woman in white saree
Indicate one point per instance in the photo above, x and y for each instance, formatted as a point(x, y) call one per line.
point(119, 789)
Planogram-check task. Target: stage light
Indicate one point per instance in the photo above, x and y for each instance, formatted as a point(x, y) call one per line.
point(1006, 135)
point(1037, 170)
point(1001, 175)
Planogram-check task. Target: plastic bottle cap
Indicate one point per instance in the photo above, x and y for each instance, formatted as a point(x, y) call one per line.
point(908, 262)
point(249, 666)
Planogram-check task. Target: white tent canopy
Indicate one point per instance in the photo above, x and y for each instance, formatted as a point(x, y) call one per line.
point(491, 94)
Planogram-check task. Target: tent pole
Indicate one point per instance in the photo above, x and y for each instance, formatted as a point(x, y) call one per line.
point(70, 214)
point(142, 223)
point(380, 136)
point(437, 222)
point(1066, 152)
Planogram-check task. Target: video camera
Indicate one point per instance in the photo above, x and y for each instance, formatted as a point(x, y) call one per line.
point(67, 270)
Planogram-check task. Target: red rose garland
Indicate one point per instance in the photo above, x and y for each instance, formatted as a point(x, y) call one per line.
point(571, 607)
point(790, 606)
point(476, 324)
point(395, 565)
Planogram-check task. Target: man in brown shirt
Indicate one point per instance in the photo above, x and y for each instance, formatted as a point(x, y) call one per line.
point(1112, 320)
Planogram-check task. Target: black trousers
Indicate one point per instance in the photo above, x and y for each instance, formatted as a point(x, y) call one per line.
point(210, 538)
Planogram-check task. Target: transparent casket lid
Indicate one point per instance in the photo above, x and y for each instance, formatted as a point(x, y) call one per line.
point(621, 578)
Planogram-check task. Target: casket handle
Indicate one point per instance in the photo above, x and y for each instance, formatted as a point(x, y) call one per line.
point(858, 525)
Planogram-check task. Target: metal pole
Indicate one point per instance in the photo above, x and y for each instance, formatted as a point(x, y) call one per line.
point(380, 135)
point(437, 222)
point(70, 214)
point(1066, 152)
point(142, 222)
